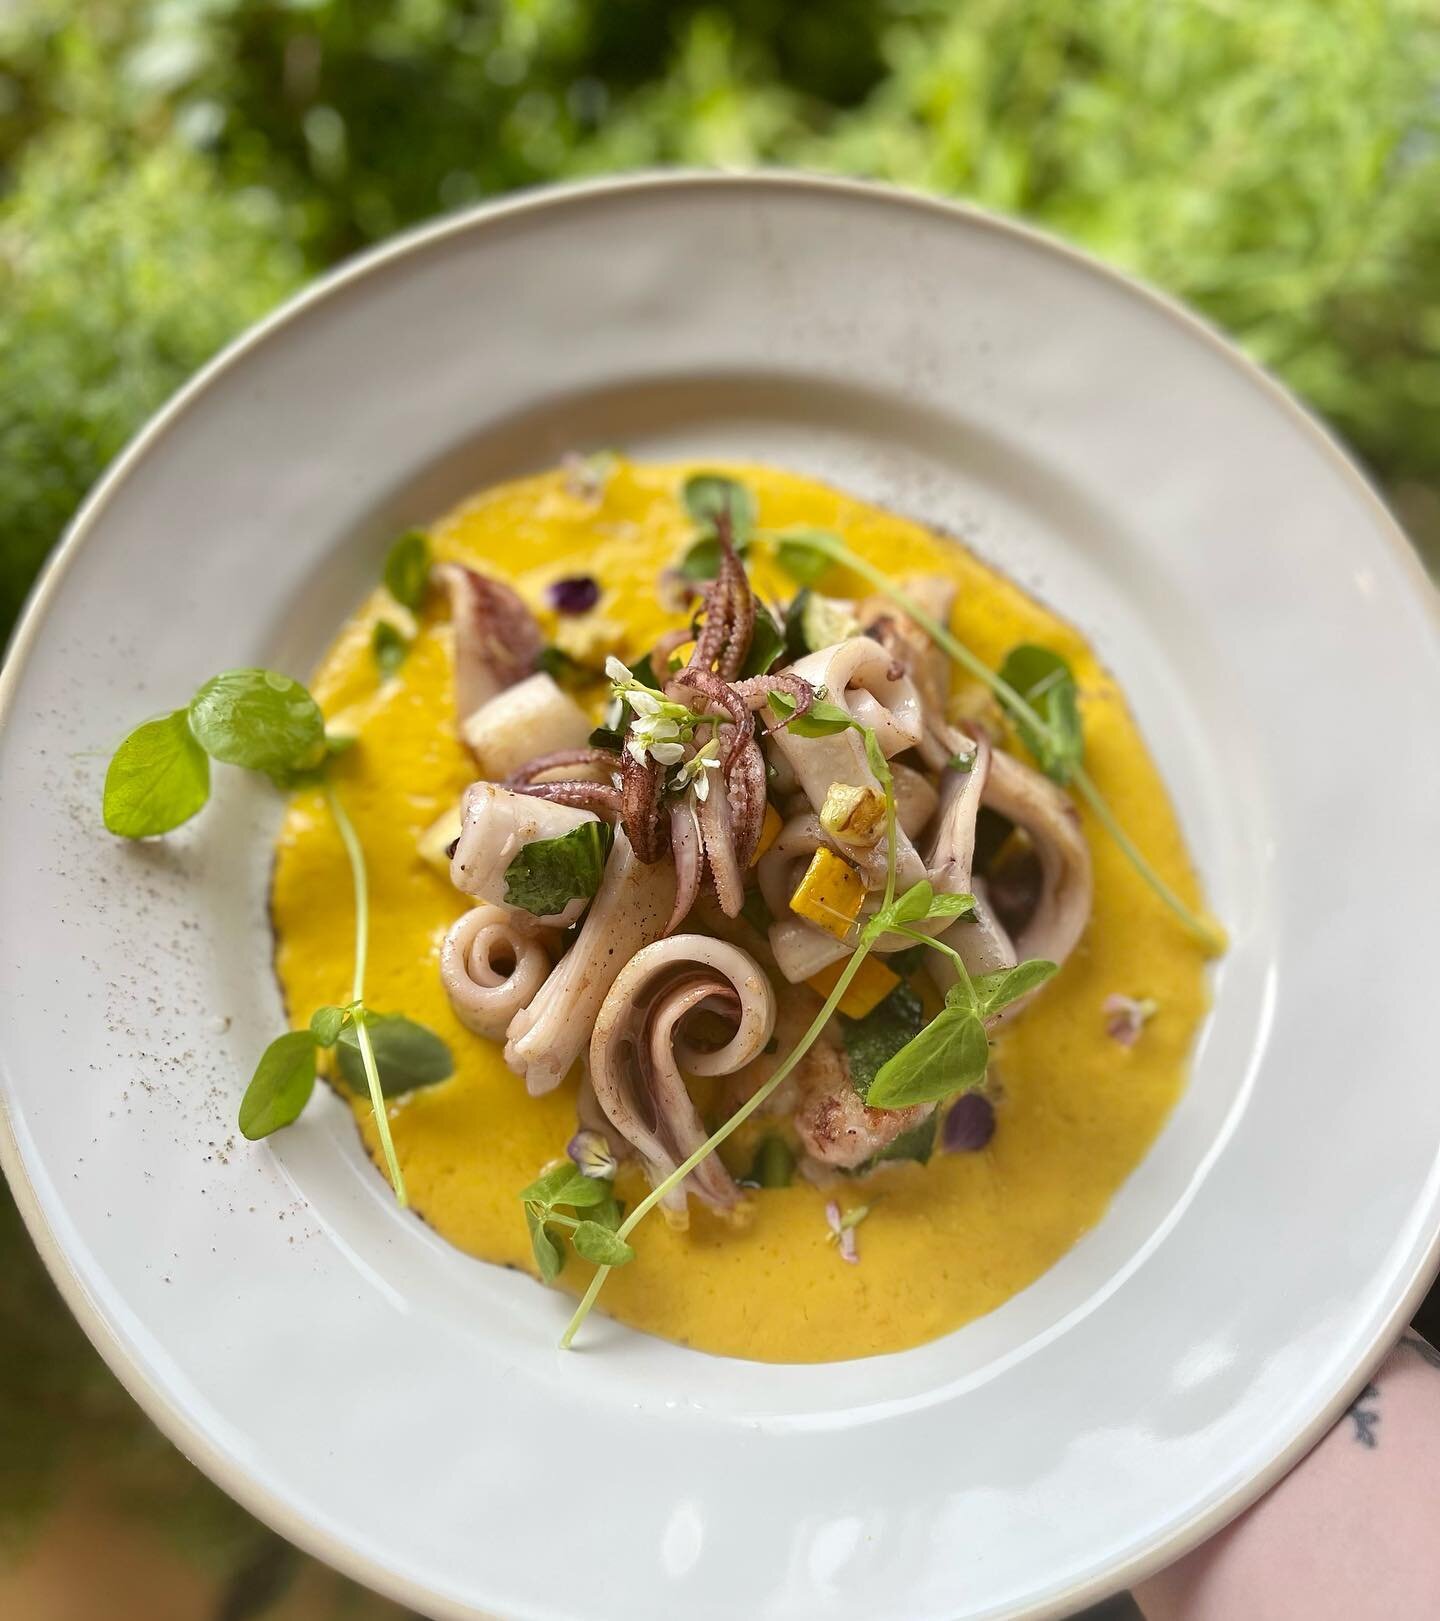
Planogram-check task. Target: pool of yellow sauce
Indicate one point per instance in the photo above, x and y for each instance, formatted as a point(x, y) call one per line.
point(943, 1243)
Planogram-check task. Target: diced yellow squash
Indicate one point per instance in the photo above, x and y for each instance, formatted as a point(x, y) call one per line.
point(830, 894)
point(872, 983)
point(769, 832)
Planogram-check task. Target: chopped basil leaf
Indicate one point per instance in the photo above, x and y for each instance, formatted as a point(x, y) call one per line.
point(766, 643)
point(548, 874)
point(795, 644)
point(407, 1055)
point(158, 778)
point(407, 568)
point(258, 719)
point(872, 1041)
point(917, 1144)
point(1045, 681)
point(281, 1086)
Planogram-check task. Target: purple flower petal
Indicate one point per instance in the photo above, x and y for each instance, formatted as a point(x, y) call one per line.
point(575, 594)
point(969, 1125)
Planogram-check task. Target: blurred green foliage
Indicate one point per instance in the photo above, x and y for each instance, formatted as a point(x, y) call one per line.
point(172, 167)
point(169, 169)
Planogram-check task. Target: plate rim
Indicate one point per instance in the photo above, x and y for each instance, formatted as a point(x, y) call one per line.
point(193, 1441)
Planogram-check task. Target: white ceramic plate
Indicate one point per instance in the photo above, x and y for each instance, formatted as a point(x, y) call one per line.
point(403, 1411)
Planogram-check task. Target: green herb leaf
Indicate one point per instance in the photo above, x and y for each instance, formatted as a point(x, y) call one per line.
point(1045, 681)
point(606, 737)
point(548, 874)
point(871, 1042)
point(951, 906)
point(773, 1165)
point(258, 719)
point(549, 1256)
point(157, 779)
point(407, 569)
point(949, 1055)
point(706, 496)
point(566, 1184)
point(822, 719)
point(325, 1024)
point(607, 1210)
point(702, 558)
point(407, 1055)
point(803, 553)
point(917, 1144)
point(599, 1244)
point(562, 669)
point(913, 905)
point(795, 644)
point(766, 644)
point(281, 1086)
point(388, 647)
point(997, 990)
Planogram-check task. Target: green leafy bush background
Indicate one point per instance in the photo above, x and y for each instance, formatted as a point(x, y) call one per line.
point(170, 169)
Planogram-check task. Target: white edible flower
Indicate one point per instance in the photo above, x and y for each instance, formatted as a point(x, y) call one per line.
point(693, 773)
point(617, 671)
point(667, 753)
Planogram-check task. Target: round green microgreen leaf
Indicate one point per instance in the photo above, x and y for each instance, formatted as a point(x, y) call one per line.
point(1007, 985)
point(158, 778)
point(407, 1055)
point(707, 496)
point(258, 719)
point(1044, 680)
point(806, 554)
point(549, 1256)
point(388, 647)
point(949, 1055)
point(325, 1024)
point(407, 569)
point(281, 1086)
point(599, 1244)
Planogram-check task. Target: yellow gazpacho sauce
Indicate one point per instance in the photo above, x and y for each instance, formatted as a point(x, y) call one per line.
point(943, 1243)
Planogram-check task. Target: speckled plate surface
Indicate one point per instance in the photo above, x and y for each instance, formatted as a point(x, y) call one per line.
point(401, 1410)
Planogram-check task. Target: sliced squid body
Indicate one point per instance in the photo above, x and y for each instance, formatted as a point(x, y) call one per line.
point(495, 825)
point(532, 718)
point(1032, 802)
point(641, 1051)
point(492, 963)
point(497, 639)
point(629, 912)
